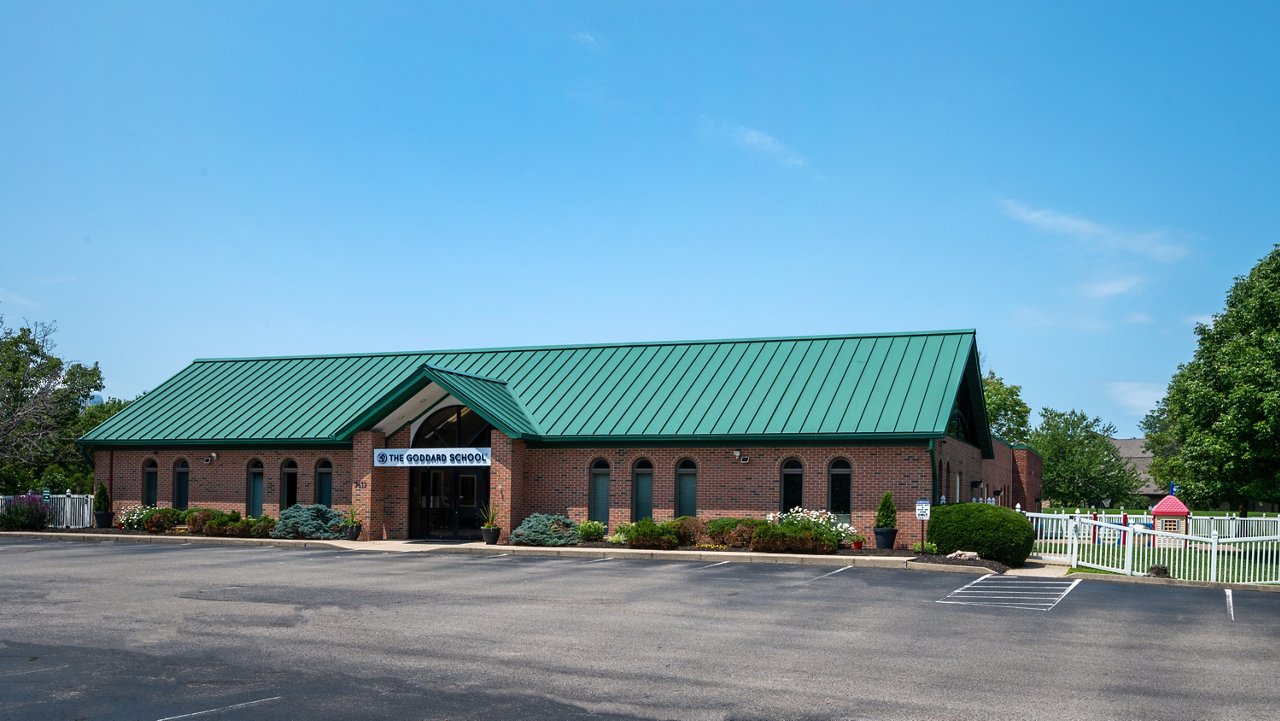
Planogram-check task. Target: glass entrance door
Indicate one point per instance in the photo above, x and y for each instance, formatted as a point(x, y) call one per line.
point(446, 502)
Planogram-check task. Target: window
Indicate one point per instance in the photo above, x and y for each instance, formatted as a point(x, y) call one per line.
point(598, 493)
point(150, 482)
point(181, 483)
point(792, 484)
point(686, 488)
point(324, 483)
point(253, 489)
point(840, 482)
point(288, 484)
point(641, 490)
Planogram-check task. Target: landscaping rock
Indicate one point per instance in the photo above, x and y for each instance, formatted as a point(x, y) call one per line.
point(963, 556)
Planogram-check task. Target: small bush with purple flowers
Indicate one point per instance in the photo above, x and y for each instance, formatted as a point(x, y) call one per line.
point(26, 513)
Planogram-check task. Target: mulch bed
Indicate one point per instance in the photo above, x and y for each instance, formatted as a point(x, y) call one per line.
point(994, 566)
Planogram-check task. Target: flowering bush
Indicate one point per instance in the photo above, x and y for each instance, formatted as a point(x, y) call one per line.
point(804, 519)
point(26, 513)
point(134, 518)
point(589, 531)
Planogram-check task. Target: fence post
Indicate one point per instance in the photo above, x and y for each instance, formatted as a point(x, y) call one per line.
point(1072, 546)
point(1213, 556)
point(1128, 553)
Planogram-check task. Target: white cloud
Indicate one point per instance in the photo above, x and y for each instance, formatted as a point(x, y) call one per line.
point(1137, 398)
point(756, 141)
point(1115, 286)
point(590, 41)
point(7, 296)
point(1140, 317)
point(1151, 245)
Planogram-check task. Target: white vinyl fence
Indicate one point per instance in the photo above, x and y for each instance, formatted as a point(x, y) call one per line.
point(1245, 554)
point(68, 511)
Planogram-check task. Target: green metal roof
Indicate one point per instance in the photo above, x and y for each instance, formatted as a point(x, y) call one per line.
point(835, 388)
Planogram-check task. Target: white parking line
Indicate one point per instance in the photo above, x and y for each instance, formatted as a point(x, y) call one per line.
point(1010, 592)
point(34, 670)
point(221, 708)
point(713, 565)
point(838, 570)
point(1231, 608)
point(500, 555)
point(597, 560)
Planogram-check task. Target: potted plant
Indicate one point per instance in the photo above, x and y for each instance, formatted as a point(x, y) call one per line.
point(886, 529)
point(489, 528)
point(102, 515)
point(351, 524)
point(856, 540)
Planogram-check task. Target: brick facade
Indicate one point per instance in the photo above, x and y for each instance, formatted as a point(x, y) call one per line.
point(524, 480)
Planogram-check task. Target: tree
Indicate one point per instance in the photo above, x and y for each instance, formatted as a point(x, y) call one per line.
point(42, 400)
point(1215, 433)
point(1007, 414)
point(1081, 466)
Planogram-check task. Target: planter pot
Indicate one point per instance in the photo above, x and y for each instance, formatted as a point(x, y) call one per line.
point(103, 519)
point(885, 537)
point(353, 532)
point(857, 545)
point(491, 535)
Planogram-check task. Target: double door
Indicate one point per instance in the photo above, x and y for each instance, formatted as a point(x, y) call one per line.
point(447, 502)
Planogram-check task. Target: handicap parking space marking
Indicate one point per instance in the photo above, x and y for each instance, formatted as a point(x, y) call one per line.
point(1012, 592)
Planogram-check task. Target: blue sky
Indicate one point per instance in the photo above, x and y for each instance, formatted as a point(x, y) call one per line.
point(1080, 182)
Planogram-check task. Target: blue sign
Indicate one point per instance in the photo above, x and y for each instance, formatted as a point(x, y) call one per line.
point(1173, 489)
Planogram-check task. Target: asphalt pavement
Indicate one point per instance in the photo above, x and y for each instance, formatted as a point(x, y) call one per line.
point(152, 632)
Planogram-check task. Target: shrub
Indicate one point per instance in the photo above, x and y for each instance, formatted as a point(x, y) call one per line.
point(541, 529)
point(27, 512)
point(791, 538)
point(161, 520)
point(589, 531)
point(820, 521)
point(221, 524)
point(622, 534)
point(196, 518)
point(924, 547)
point(886, 512)
point(309, 521)
point(134, 518)
point(993, 532)
point(718, 529)
point(647, 534)
point(689, 529)
point(740, 536)
point(101, 499)
point(263, 526)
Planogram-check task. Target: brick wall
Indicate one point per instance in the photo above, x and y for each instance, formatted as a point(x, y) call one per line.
point(557, 481)
point(1028, 472)
point(959, 463)
point(223, 482)
point(997, 475)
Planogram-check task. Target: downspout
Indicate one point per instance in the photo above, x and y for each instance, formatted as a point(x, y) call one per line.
point(933, 473)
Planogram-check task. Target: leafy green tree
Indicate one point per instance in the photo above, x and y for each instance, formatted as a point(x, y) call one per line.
point(1081, 466)
point(1216, 434)
point(43, 404)
point(1007, 414)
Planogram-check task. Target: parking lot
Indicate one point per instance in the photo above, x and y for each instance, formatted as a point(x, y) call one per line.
point(117, 631)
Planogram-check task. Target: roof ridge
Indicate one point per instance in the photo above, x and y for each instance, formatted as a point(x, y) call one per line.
point(451, 371)
point(614, 344)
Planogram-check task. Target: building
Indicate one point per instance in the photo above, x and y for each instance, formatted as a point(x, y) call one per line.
point(420, 443)
point(1135, 453)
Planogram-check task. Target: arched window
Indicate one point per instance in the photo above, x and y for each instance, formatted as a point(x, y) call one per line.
point(288, 484)
point(792, 484)
point(840, 487)
point(181, 483)
point(324, 483)
point(253, 489)
point(150, 482)
point(686, 488)
point(641, 490)
point(598, 493)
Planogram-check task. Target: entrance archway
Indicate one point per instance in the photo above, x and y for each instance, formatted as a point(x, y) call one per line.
point(447, 502)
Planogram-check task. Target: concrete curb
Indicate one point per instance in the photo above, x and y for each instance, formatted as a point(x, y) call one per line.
point(897, 562)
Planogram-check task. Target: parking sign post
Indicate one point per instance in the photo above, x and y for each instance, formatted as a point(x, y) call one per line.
point(922, 513)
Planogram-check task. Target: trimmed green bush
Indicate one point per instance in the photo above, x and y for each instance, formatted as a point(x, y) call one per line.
point(993, 532)
point(309, 521)
point(541, 529)
point(589, 531)
point(790, 538)
point(740, 536)
point(647, 534)
point(101, 499)
point(621, 534)
point(886, 512)
point(689, 530)
point(161, 520)
point(263, 526)
point(718, 529)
